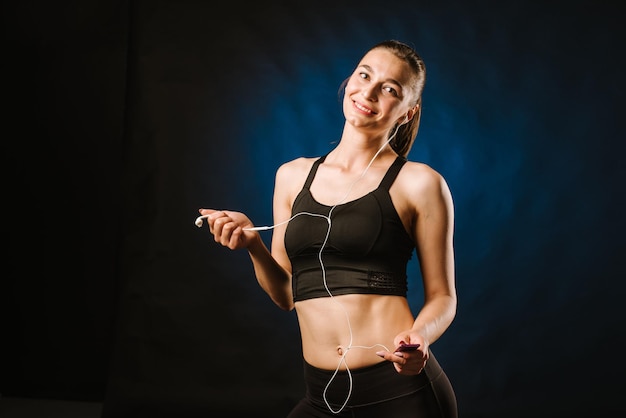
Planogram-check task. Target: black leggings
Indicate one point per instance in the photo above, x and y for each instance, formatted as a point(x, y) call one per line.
point(377, 391)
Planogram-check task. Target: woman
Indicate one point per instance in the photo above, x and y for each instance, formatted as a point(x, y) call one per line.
point(346, 225)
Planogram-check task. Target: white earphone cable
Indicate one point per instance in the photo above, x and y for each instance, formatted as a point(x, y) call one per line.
point(342, 360)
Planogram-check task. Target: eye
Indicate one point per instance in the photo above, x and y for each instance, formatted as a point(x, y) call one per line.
point(364, 76)
point(390, 90)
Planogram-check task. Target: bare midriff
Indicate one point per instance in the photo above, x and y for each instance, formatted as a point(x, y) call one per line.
point(355, 325)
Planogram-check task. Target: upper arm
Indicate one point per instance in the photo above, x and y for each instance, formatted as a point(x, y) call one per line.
point(288, 182)
point(433, 230)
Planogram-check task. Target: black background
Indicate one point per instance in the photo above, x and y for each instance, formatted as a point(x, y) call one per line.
point(124, 117)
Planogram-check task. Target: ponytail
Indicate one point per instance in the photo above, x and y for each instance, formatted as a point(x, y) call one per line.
point(405, 137)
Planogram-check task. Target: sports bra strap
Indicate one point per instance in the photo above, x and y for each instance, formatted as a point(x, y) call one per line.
point(387, 181)
point(316, 164)
point(392, 173)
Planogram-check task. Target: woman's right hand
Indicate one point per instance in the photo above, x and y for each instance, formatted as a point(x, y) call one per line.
point(227, 228)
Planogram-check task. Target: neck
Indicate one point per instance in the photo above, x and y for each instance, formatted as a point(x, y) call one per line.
point(357, 147)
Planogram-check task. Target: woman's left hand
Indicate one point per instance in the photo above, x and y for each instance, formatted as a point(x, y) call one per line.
point(409, 362)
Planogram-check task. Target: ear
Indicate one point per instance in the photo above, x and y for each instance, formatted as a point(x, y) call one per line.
point(409, 114)
point(405, 119)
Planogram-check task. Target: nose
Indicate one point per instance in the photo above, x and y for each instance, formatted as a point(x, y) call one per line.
point(369, 92)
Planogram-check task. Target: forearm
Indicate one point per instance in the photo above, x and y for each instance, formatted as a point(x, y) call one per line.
point(435, 317)
point(271, 276)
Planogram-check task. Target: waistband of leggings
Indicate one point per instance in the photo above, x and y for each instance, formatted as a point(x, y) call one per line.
point(365, 385)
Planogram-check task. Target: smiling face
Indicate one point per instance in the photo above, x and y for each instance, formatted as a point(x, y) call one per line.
point(380, 92)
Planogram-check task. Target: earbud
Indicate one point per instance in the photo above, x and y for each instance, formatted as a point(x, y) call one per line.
point(199, 220)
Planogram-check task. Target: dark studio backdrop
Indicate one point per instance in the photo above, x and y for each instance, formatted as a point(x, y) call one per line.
point(127, 116)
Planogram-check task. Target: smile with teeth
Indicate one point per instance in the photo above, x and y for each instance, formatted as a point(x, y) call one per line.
point(362, 108)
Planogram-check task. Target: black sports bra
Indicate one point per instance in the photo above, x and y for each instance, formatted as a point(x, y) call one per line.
point(366, 252)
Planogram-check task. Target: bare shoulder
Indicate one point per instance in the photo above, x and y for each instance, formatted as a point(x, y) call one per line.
point(421, 175)
point(290, 176)
point(293, 170)
point(297, 165)
point(420, 181)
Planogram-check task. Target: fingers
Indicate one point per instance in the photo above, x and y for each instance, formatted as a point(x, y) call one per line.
point(225, 230)
point(210, 215)
point(396, 357)
point(222, 227)
point(413, 364)
point(405, 363)
point(206, 211)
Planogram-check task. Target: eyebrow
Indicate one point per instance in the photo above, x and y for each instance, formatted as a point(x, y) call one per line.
point(389, 80)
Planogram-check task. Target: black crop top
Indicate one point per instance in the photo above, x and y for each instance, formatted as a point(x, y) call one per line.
point(367, 250)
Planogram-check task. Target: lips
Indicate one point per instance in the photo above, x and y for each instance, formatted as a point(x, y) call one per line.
point(362, 108)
